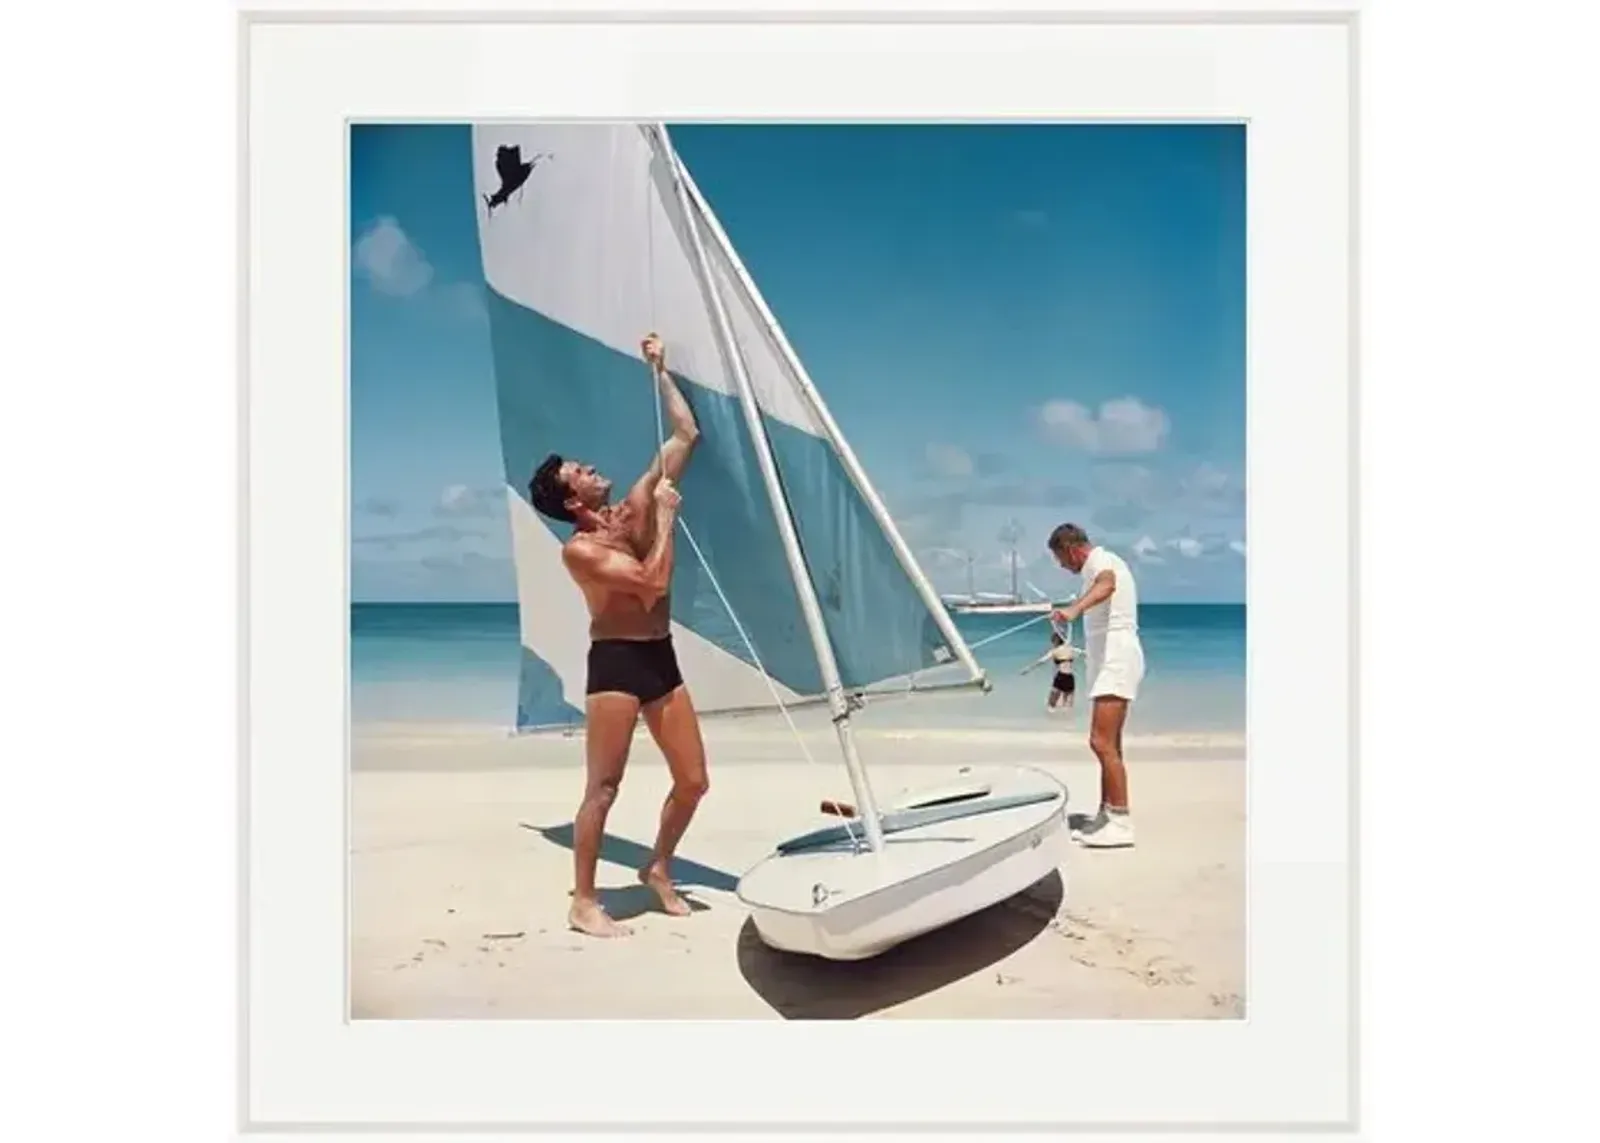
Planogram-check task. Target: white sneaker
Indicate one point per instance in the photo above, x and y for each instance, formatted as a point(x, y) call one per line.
point(1114, 831)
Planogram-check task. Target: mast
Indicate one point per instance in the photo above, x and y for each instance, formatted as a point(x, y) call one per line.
point(838, 701)
point(847, 457)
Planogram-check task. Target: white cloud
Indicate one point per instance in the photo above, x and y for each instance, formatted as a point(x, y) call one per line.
point(390, 260)
point(1207, 479)
point(437, 533)
point(460, 500)
point(1125, 483)
point(1212, 491)
point(1124, 425)
point(1147, 551)
point(949, 460)
point(1237, 545)
point(378, 506)
point(1187, 546)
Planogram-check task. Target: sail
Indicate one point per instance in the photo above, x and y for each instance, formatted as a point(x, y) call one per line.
point(585, 250)
point(880, 625)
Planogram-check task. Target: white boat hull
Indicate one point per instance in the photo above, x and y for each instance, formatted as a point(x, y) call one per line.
point(1002, 608)
point(927, 876)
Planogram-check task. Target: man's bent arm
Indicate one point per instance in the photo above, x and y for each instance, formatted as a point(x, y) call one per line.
point(646, 579)
point(1099, 591)
point(658, 561)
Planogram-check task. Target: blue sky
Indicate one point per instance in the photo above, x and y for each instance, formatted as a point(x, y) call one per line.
point(1013, 326)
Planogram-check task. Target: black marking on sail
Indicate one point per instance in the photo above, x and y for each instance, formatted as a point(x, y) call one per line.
point(513, 171)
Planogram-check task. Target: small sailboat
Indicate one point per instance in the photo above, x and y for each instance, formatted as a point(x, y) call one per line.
point(994, 603)
point(976, 602)
point(798, 588)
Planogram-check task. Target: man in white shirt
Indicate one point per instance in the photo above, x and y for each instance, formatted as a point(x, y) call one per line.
point(1109, 605)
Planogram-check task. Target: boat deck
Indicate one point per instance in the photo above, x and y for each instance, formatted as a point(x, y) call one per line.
point(918, 840)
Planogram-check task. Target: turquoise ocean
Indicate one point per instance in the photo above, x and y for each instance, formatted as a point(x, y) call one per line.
point(458, 663)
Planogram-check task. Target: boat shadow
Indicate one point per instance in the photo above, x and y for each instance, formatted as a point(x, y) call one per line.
point(632, 899)
point(800, 987)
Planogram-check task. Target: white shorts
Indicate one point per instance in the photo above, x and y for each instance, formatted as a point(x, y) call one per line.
point(1116, 665)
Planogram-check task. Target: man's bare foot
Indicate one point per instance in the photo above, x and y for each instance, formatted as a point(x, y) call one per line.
point(589, 917)
point(655, 876)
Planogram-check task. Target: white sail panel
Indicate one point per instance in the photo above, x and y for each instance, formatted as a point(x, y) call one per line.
point(593, 240)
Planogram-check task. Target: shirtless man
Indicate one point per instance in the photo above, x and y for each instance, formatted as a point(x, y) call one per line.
point(1109, 605)
point(620, 555)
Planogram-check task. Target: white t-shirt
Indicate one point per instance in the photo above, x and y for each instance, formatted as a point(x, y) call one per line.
point(1121, 611)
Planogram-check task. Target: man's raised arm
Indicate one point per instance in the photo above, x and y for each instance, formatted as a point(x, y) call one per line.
point(673, 456)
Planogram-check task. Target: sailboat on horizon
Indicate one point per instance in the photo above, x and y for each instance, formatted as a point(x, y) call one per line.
point(798, 588)
point(976, 602)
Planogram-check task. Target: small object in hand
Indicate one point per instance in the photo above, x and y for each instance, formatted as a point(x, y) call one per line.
point(654, 352)
point(838, 809)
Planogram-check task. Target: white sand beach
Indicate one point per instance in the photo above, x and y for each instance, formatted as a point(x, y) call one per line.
point(461, 864)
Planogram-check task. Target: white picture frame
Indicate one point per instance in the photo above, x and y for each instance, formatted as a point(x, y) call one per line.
point(1293, 76)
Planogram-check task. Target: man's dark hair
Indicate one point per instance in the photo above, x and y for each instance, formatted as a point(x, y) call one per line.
point(549, 492)
point(1067, 535)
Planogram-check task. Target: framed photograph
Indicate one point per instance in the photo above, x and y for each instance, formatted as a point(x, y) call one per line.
point(781, 545)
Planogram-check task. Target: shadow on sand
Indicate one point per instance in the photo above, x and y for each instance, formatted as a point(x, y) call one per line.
point(632, 899)
point(811, 988)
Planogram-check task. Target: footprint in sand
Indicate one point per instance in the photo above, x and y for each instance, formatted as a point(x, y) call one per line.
point(1230, 1002)
point(1163, 970)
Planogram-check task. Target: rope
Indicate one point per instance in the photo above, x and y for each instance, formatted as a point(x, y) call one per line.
point(1014, 630)
point(1056, 626)
point(655, 387)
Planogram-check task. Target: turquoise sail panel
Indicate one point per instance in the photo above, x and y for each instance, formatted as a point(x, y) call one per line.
point(880, 625)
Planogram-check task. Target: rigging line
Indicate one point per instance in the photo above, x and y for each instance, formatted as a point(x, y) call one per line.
point(911, 681)
point(1012, 630)
point(1065, 631)
point(655, 386)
